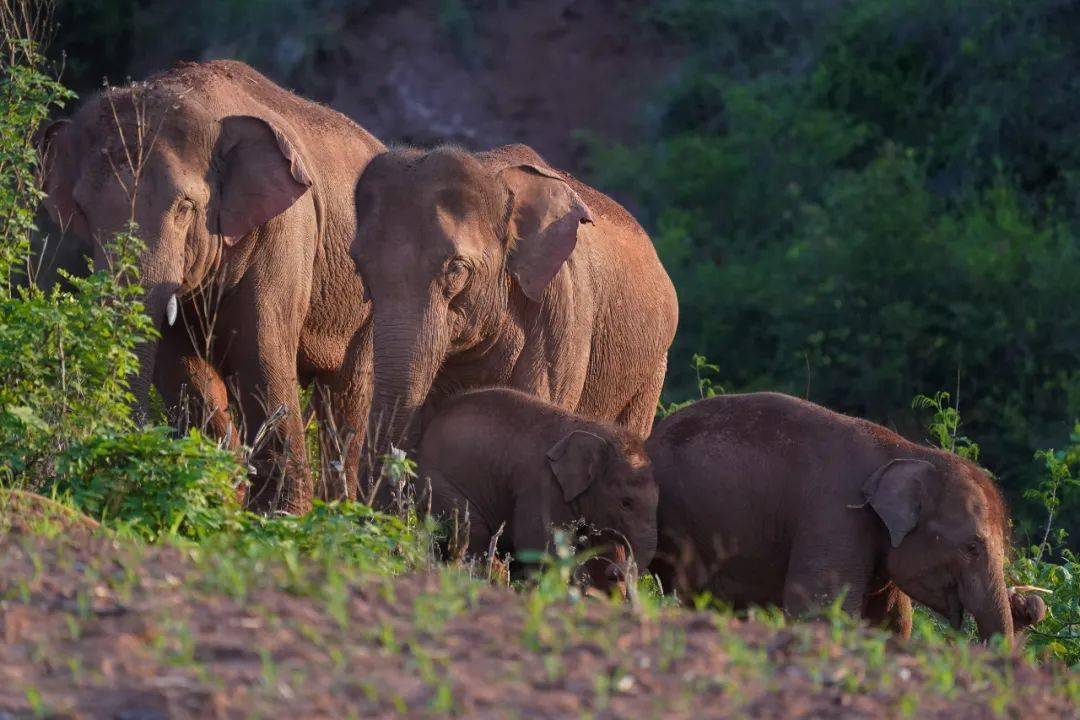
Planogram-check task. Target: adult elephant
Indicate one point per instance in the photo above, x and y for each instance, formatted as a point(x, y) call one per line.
point(494, 269)
point(242, 193)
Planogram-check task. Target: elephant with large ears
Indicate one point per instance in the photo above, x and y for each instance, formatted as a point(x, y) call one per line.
point(493, 269)
point(518, 463)
point(768, 499)
point(242, 194)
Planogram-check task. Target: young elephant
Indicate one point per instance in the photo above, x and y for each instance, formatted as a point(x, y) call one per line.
point(768, 499)
point(515, 460)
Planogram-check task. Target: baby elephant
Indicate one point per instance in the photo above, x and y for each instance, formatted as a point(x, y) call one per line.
point(768, 499)
point(518, 461)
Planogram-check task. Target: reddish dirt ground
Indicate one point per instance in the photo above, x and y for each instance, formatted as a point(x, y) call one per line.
point(92, 627)
point(530, 72)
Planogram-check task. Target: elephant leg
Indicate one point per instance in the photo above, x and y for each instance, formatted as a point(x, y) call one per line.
point(820, 570)
point(639, 413)
point(889, 608)
point(270, 402)
point(262, 358)
point(192, 389)
point(342, 402)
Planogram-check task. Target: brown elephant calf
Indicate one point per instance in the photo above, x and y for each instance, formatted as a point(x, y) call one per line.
point(527, 466)
point(768, 499)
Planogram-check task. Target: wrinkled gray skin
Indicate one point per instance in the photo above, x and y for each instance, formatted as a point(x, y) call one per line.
point(493, 269)
point(511, 458)
point(244, 202)
point(768, 499)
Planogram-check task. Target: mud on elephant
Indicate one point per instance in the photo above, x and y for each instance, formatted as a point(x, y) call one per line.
point(242, 193)
point(768, 499)
point(524, 465)
point(493, 269)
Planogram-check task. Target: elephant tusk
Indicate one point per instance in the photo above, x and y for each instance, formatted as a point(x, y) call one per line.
point(1031, 588)
point(170, 310)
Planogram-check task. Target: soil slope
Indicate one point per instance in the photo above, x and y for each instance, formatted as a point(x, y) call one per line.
point(94, 627)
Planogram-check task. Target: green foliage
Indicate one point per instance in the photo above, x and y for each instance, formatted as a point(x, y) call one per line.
point(858, 201)
point(151, 483)
point(704, 371)
point(27, 96)
point(945, 425)
point(339, 533)
point(1058, 636)
point(66, 356)
point(1057, 482)
point(1051, 564)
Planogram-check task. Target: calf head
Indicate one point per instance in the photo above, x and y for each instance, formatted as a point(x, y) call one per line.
point(946, 527)
point(608, 484)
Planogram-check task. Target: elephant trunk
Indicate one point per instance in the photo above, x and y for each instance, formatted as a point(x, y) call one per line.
point(644, 551)
point(159, 274)
point(409, 350)
point(986, 597)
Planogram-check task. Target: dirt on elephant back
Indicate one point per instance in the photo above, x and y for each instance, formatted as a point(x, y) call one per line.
point(92, 627)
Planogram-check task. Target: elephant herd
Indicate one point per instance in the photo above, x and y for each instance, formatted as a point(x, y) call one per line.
point(510, 325)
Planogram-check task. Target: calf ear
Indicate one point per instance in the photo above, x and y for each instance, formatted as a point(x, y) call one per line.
point(576, 461)
point(544, 225)
point(895, 491)
point(262, 175)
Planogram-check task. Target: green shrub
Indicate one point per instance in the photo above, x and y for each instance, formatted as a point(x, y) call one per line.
point(862, 202)
point(152, 483)
point(66, 355)
point(343, 533)
point(1051, 564)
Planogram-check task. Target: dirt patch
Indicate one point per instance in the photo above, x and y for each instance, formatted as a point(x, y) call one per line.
point(93, 628)
point(530, 72)
point(22, 511)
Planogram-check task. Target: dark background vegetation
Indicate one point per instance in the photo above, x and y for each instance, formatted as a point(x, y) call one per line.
point(859, 202)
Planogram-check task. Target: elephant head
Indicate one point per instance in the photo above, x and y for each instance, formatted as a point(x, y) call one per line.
point(194, 183)
point(609, 484)
point(447, 241)
point(946, 527)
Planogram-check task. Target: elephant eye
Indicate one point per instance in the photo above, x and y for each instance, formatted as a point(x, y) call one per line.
point(627, 503)
point(456, 276)
point(184, 209)
point(973, 548)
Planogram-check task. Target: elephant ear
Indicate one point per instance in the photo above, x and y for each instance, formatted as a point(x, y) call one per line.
point(576, 461)
point(58, 170)
point(262, 175)
point(895, 492)
point(544, 225)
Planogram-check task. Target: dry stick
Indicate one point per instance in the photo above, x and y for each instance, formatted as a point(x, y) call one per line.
point(373, 459)
point(262, 436)
point(340, 447)
point(956, 407)
point(206, 307)
point(492, 551)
